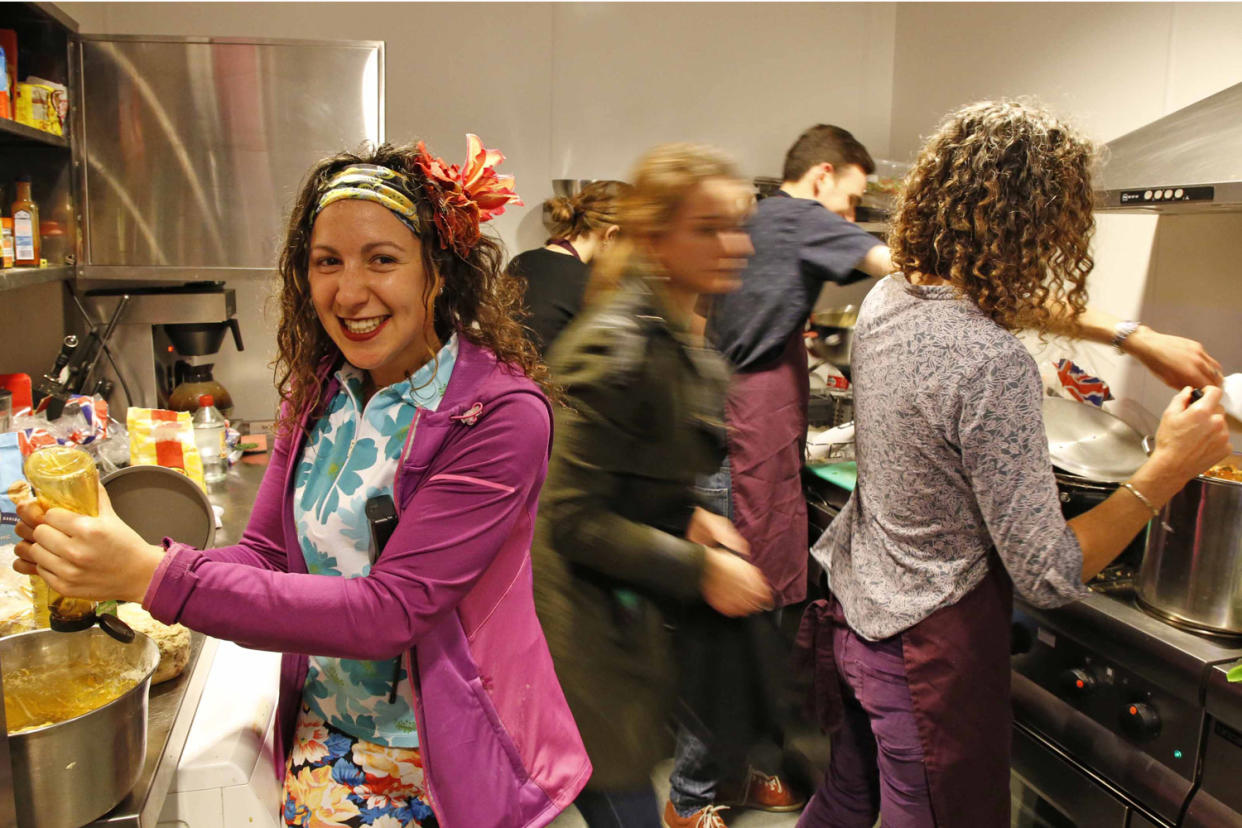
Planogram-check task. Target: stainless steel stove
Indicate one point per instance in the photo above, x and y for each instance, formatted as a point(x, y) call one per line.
point(1121, 720)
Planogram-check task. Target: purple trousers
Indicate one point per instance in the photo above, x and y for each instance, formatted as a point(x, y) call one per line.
point(876, 765)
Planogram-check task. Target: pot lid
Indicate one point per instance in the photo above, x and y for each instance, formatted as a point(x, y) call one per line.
point(1087, 441)
point(158, 502)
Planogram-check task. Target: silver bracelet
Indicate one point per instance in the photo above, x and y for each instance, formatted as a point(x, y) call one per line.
point(1122, 332)
point(1155, 513)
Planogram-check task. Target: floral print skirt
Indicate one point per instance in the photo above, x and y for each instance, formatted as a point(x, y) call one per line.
point(334, 780)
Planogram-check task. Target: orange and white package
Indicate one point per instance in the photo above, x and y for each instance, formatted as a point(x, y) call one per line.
point(164, 438)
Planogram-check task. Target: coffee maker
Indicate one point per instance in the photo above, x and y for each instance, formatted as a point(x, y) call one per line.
point(167, 340)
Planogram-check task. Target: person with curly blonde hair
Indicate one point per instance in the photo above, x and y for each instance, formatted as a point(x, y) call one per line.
point(622, 544)
point(416, 688)
point(956, 504)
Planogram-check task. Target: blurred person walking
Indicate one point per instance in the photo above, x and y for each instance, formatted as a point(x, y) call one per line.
point(621, 545)
point(583, 226)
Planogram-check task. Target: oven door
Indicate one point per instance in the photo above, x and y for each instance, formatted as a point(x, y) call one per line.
point(1049, 791)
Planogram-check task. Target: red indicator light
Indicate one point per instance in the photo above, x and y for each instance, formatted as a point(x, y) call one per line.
point(170, 349)
point(1133, 710)
point(1079, 684)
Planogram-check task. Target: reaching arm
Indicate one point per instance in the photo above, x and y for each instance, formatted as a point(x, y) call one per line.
point(1192, 436)
point(450, 531)
point(1177, 361)
point(878, 262)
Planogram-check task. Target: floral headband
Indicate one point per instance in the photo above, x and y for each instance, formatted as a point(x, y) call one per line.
point(462, 198)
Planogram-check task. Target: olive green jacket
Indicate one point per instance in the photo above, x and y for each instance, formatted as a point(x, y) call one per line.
point(643, 418)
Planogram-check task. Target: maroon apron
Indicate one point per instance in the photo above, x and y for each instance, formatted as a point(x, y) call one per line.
point(957, 667)
point(766, 414)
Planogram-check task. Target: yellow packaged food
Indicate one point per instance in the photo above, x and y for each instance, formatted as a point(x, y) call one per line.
point(164, 438)
point(37, 106)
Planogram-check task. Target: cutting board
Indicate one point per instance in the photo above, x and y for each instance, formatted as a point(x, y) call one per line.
point(844, 475)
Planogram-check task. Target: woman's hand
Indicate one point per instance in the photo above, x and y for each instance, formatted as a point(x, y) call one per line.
point(1192, 437)
point(1177, 361)
point(99, 558)
point(711, 529)
point(733, 586)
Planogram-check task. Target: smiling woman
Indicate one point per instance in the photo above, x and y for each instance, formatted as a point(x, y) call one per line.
point(409, 387)
point(396, 197)
point(370, 290)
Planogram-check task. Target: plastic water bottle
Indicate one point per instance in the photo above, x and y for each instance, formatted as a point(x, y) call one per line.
point(209, 425)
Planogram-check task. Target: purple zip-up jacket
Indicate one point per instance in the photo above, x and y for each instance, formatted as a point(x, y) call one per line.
point(451, 593)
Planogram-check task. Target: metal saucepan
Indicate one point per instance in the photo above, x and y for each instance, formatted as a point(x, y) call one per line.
point(1192, 571)
point(835, 334)
point(68, 774)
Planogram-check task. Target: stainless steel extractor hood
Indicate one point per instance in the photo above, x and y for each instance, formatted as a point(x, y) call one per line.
point(1188, 161)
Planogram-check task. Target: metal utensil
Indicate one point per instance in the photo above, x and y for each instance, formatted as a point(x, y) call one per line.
point(1091, 443)
point(834, 329)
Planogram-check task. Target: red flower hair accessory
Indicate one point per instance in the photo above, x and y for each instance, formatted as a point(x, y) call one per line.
point(465, 197)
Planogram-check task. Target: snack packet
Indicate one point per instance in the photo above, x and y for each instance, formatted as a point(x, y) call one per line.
point(164, 438)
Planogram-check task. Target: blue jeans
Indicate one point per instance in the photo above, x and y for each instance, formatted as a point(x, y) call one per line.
point(619, 809)
point(697, 770)
point(715, 491)
point(697, 766)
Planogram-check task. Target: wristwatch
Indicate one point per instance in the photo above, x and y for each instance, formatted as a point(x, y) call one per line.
point(1122, 332)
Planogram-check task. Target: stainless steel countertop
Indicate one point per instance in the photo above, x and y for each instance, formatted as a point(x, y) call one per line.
point(174, 703)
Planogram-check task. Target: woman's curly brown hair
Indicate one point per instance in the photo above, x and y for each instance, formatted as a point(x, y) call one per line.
point(999, 204)
point(473, 296)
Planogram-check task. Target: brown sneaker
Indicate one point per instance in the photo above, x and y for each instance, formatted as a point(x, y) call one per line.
point(761, 792)
point(708, 817)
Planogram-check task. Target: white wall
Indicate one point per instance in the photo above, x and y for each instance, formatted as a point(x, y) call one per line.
point(1108, 67)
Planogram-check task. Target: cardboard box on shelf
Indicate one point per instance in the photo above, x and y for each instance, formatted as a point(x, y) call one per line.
point(37, 106)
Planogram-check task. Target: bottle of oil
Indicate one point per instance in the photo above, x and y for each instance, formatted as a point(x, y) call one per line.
point(25, 226)
point(64, 477)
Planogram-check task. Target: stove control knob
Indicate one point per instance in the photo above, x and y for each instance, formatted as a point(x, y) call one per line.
point(1079, 683)
point(1140, 721)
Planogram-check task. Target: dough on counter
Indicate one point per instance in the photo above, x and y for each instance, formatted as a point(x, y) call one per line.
point(173, 642)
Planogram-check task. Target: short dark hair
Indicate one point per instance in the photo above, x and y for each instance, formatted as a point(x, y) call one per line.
point(825, 143)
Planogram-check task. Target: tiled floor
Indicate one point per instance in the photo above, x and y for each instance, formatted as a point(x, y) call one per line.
point(739, 819)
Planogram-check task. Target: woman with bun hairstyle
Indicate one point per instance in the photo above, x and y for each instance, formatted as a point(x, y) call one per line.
point(582, 227)
point(403, 375)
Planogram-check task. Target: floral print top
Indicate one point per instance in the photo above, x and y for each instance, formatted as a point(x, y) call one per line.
point(351, 456)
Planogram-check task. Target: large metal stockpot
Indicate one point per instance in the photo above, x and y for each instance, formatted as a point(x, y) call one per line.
point(67, 774)
point(1192, 571)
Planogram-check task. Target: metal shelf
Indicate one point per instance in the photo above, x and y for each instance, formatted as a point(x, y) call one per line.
point(19, 277)
point(12, 133)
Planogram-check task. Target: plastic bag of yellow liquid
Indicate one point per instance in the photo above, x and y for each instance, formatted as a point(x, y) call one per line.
point(164, 438)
